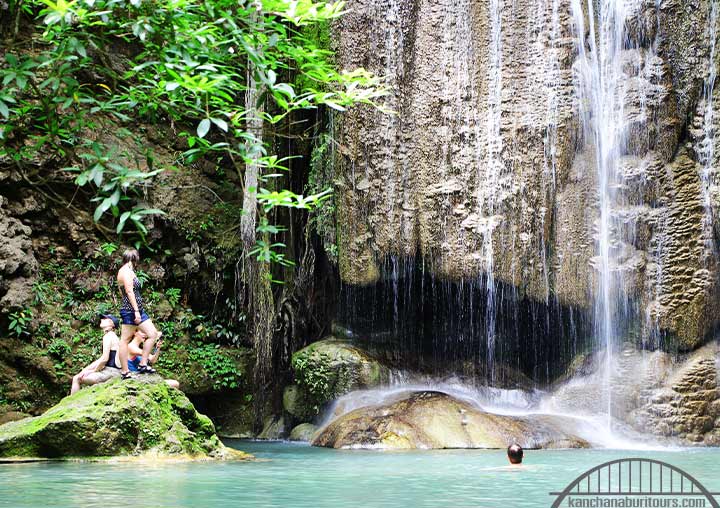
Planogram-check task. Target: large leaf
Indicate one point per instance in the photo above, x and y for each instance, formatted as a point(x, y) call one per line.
point(203, 128)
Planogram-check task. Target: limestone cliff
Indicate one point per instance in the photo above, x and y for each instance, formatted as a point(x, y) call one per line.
point(488, 166)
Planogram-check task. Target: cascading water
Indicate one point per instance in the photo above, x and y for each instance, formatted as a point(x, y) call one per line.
point(601, 82)
point(552, 71)
point(707, 145)
point(490, 174)
point(550, 203)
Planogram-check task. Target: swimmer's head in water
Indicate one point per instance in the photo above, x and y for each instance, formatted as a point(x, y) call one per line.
point(515, 453)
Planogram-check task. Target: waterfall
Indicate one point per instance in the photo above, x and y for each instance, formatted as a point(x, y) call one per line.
point(493, 169)
point(393, 41)
point(600, 87)
point(707, 145)
point(551, 87)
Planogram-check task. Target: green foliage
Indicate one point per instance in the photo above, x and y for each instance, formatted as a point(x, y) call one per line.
point(115, 183)
point(173, 296)
point(108, 248)
point(59, 349)
point(69, 299)
point(19, 322)
point(313, 373)
point(142, 276)
point(217, 365)
point(42, 291)
point(189, 67)
point(322, 174)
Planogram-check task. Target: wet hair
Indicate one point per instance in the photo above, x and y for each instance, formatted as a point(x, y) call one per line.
point(515, 453)
point(130, 256)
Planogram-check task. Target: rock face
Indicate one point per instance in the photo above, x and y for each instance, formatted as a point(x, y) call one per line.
point(142, 418)
point(687, 405)
point(426, 420)
point(653, 392)
point(18, 265)
point(487, 166)
point(327, 369)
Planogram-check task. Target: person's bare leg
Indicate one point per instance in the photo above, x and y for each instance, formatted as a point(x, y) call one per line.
point(148, 328)
point(126, 335)
point(75, 384)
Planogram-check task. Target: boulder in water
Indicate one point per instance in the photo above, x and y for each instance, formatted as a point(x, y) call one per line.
point(327, 369)
point(427, 420)
point(140, 417)
point(303, 432)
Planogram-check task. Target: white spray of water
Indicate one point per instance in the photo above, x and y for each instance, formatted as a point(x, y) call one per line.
point(489, 179)
point(707, 145)
point(509, 402)
point(601, 92)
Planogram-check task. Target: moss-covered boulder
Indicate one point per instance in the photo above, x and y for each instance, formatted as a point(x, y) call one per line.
point(298, 403)
point(139, 417)
point(327, 369)
point(428, 420)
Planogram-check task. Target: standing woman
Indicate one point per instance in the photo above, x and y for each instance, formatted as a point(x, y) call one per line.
point(133, 315)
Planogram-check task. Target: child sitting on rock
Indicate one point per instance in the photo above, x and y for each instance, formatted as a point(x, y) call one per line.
point(135, 351)
point(107, 366)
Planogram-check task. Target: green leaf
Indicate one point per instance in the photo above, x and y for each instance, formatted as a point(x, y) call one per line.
point(115, 198)
point(222, 124)
point(123, 220)
point(104, 206)
point(203, 128)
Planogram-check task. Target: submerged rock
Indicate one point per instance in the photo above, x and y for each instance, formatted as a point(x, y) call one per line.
point(303, 432)
point(436, 420)
point(139, 417)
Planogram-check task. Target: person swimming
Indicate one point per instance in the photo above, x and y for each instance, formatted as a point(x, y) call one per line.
point(515, 454)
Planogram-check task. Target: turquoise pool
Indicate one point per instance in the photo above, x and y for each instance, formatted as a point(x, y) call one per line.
point(298, 476)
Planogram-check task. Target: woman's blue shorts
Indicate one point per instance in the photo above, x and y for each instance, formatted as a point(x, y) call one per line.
point(128, 317)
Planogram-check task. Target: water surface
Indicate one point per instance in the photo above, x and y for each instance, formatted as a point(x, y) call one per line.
point(300, 476)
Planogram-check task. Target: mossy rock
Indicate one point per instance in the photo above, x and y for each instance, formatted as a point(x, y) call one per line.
point(298, 404)
point(329, 368)
point(137, 417)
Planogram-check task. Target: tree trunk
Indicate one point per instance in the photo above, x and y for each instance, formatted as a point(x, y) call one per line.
point(256, 274)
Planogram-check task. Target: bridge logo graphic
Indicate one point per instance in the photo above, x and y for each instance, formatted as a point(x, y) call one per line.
point(635, 482)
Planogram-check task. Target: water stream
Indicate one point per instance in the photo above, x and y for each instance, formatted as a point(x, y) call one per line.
point(601, 90)
point(707, 145)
